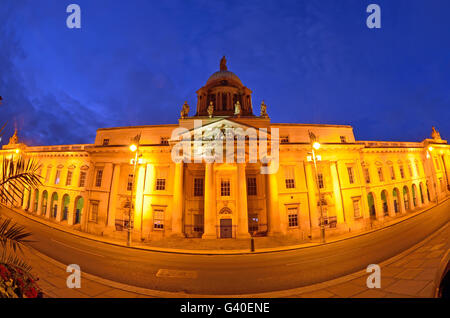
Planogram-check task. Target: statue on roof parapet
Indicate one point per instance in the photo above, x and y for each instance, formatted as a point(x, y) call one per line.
point(210, 109)
point(264, 110)
point(223, 64)
point(435, 134)
point(184, 110)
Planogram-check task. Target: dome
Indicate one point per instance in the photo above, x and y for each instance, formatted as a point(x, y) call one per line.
point(223, 75)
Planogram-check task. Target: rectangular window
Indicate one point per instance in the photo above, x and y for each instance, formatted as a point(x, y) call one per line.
point(320, 180)
point(198, 187)
point(380, 174)
point(251, 186)
point(356, 210)
point(105, 142)
point(392, 172)
point(225, 188)
point(160, 184)
point(284, 139)
point(130, 182)
point(82, 179)
point(402, 173)
point(69, 178)
point(98, 178)
point(343, 139)
point(293, 216)
point(164, 140)
point(94, 211)
point(161, 177)
point(158, 219)
point(351, 178)
point(289, 177)
point(57, 176)
point(366, 174)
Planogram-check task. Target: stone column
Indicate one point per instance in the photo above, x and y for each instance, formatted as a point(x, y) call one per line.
point(138, 198)
point(242, 211)
point(312, 196)
point(210, 214)
point(39, 206)
point(378, 207)
point(59, 209)
point(111, 224)
point(337, 194)
point(26, 195)
point(71, 212)
point(273, 211)
point(33, 195)
point(177, 211)
point(390, 201)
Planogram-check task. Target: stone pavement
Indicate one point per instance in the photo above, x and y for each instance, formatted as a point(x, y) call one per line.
point(409, 274)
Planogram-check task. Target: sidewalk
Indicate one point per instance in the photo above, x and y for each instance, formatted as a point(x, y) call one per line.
point(409, 274)
point(208, 247)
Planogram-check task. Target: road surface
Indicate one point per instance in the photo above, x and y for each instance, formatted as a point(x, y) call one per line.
point(232, 274)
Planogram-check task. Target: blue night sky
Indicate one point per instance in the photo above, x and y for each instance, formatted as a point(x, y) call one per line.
point(136, 62)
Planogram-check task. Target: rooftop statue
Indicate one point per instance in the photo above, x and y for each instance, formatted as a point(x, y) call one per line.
point(185, 110)
point(435, 134)
point(223, 64)
point(237, 109)
point(264, 110)
point(210, 109)
point(14, 139)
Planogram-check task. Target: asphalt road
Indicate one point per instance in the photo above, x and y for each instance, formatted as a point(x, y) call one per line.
point(233, 274)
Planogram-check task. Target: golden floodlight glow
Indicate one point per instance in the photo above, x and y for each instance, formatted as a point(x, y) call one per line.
point(316, 145)
point(17, 150)
point(430, 148)
point(133, 148)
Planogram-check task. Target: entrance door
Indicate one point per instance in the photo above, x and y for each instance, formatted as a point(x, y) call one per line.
point(226, 228)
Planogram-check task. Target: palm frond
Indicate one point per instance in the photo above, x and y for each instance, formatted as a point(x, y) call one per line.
point(16, 176)
point(12, 235)
point(14, 260)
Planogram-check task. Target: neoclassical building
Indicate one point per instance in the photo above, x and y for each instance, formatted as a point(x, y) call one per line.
point(90, 187)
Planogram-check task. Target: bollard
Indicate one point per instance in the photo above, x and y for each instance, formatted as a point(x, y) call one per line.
point(252, 244)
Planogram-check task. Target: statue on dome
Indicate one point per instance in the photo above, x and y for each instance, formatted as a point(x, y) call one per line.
point(435, 134)
point(185, 110)
point(237, 109)
point(210, 109)
point(264, 110)
point(223, 64)
point(14, 139)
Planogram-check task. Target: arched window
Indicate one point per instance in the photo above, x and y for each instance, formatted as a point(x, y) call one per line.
point(65, 206)
point(396, 198)
point(371, 203)
point(406, 197)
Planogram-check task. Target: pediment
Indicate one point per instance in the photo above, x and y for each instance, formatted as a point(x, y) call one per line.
point(223, 126)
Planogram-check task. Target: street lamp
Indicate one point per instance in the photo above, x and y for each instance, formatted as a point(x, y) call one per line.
point(315, 145)
point(133, 148)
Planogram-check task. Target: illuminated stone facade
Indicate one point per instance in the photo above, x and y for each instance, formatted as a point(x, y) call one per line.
point(363, 183)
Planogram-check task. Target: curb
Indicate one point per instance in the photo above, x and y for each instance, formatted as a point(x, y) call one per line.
point(216, 252)
point(274, 294)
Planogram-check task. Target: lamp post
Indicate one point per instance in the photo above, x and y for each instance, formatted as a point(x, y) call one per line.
point(315, 145)
point(133, 148)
